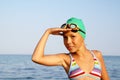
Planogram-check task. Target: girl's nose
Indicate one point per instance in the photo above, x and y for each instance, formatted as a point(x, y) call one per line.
point(69, 40)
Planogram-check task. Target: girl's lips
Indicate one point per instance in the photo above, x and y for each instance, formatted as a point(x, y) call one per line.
point(69, 47)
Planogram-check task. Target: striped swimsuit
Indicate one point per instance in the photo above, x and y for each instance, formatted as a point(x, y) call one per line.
point(75, 73)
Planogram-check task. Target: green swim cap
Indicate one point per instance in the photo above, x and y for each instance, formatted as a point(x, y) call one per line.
point(80, 25)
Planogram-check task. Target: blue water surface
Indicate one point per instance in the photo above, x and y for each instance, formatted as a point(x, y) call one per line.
point(20, 67)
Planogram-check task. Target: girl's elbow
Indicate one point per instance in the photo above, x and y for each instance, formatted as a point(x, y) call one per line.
point(37, 60)
point(34, 59)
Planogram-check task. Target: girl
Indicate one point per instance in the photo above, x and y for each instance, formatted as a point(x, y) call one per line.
point(81, 63)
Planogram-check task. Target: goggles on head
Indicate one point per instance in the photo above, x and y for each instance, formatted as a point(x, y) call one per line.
point(73, 27)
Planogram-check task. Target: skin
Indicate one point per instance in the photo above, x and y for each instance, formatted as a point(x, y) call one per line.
point(75, 45)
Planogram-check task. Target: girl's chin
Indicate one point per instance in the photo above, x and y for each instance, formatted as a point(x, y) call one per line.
point(72, 51)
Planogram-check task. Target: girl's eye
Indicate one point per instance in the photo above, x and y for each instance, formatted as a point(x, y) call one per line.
point(72, 36)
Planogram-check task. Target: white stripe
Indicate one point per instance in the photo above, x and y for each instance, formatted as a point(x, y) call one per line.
point(96, 73)
point(77, 73)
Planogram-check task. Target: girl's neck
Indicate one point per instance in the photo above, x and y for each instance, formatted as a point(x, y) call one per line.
point(82, 51)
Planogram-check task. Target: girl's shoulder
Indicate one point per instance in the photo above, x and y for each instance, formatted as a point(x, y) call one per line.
point(98, 54)
point(64, 56)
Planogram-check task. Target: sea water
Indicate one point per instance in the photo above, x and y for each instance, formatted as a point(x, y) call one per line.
point(20, 67)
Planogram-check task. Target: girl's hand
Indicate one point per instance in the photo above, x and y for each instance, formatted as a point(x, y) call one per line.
point(57, 31)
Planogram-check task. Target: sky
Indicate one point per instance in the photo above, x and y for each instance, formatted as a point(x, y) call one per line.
point(22, 23)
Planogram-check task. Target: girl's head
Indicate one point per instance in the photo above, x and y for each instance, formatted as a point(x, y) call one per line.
point(74, 39)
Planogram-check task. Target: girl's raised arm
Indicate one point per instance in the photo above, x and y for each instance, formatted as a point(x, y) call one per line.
point(38, 54)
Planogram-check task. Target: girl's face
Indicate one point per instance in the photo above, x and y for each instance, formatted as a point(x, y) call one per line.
point(72, 41)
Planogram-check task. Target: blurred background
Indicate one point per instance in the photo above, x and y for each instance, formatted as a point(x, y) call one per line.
point(22, 23)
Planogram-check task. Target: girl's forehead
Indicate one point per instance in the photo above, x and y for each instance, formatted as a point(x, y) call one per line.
point(70, 33)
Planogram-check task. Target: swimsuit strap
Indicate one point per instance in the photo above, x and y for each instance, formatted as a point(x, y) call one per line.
point(94, 57)
point(71, 58)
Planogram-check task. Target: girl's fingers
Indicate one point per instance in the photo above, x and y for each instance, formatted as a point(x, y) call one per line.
point(63, 30)
point(58, 31)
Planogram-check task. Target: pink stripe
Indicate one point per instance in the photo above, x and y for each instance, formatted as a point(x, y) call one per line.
point(77, 75)
point(78, 70)
point(97, 70)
